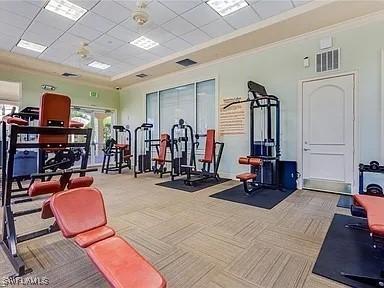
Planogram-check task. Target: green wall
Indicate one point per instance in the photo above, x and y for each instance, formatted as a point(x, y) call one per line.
point(79, 92)
point(280, 69)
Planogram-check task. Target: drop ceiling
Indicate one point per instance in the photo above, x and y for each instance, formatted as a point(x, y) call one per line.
point(189, 28)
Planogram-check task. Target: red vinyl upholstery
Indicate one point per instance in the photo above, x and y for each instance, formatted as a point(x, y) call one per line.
point(373, 205)
point(54, 108)
point(209, 151)
point(15, 120)
point(164, 140)
point(75, 124)
point(95, 235)
point(83, 181)
point(46, 211)
point(78, 210)
point(246, 176)
point(253, 161)
point(122, 266)
point(41, 188)
point(80, 213)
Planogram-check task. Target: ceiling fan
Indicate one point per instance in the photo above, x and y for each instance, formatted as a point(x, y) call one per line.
point(140, 16)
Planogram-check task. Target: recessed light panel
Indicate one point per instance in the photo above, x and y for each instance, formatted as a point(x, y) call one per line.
point(66, 9)
point(99, 65)
point(144, 43)
point(226, 7)
point(31, 46)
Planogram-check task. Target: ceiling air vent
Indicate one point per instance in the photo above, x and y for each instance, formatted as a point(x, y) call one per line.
point(328, 60)
point(66, 74)
point(186, 62)
point(142, 75)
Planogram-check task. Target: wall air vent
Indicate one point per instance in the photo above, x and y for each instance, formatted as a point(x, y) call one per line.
point(142, 75)
point(66, 74)
point(328, 60)
point(186, 62)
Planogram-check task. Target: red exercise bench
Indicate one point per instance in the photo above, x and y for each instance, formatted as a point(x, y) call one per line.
point(247, 176)
point(80, 213)
point(374, 207)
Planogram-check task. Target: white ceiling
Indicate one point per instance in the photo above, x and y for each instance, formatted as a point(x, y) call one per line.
point(108, 28)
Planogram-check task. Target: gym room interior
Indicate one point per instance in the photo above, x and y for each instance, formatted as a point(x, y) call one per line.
point(192, 143)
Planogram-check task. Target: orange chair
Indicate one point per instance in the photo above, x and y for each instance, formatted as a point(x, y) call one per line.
point(80, 213)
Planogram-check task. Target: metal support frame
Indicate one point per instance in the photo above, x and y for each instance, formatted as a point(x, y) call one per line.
point(141, 160)
point(10, 239)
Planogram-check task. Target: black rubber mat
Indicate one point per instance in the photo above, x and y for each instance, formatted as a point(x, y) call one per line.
point(178, 184)
point(263, 198)
point(345, 201)
point(347, 250)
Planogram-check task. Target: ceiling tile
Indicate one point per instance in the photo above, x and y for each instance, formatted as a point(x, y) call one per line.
point(195, 37)
point(130, 4)
point(84, 32)
point(267, 8)
point(23, 51)
point(21, 8)
point(14, 19)
point(10, 30)
point(300, 2)
point(38, 3)
point(147, 56)
point(179, 26)
point(177, 44)
point(161, 51)
point(180, 6)
point(7, 42)
point(133, 26)
point(242, 18)
point(160, 35)
point(201, 15)
point(123, 33)
point(112, 11)
point(159, 13)
point(69, 41)
point(52, 19)
point(109, 42)
point(76, 61)
point(217, 28)
point(41, 33)
point(86, 4)
point(124, 52)
point(97, 22)
point(56, 55)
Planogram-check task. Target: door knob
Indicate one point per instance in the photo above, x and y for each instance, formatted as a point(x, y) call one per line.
point(307, 149)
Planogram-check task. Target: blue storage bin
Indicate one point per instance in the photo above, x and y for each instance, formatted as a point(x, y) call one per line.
point(25, 163)
point(288, 174)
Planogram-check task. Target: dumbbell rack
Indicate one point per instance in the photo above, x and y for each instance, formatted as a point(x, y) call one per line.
point(363, 168)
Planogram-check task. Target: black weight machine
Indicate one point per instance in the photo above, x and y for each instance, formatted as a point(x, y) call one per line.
point(143, 149)
point(10, 239)
point(115, 147)
point(183, 147)
point(264, 154)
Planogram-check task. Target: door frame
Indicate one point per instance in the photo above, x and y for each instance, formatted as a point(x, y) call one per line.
point(356, 124)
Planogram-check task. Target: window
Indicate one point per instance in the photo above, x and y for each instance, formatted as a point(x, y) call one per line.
point(194, 103)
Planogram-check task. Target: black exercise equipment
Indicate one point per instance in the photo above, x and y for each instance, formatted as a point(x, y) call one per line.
point(183, 148)
point(119, 148)
point(143, 149)
point(212, 156)
point(371, 189)
point(265, 153)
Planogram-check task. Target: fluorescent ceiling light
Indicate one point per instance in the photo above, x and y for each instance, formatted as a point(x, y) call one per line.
point(31, 46)
point(99, 65)
point(144, 42)
point(66, 9)
point(226, 7)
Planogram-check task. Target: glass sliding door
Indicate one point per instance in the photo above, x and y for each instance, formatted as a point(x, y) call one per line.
point(101, 122)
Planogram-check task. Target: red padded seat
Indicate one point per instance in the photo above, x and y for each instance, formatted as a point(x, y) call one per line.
point(83, 181)
point(253, 161)
point(46, 211)
point(164, 142)
point(75, 124)
point(209, 151)
point(41, 188)
point(373, 205)
point(246, 176)
point(15, 120)
point(80, 213)
point(92, 236)
point(122, 266)
point(121, 146)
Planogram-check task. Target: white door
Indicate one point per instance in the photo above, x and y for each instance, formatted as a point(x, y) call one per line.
point(328, 123)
